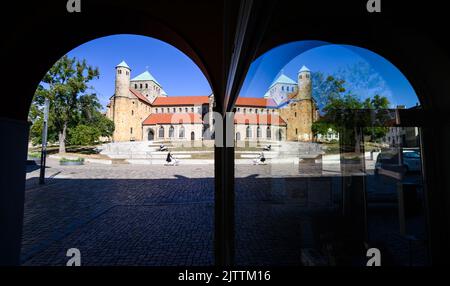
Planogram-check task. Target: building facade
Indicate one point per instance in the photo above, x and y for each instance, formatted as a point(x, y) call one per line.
point(142, 111)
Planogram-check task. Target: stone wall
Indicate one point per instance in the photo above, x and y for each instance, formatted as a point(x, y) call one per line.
point(299, 117)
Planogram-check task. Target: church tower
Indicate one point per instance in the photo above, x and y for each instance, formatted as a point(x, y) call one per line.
point(299, 113)
point(122, 104)
point(304, 84)
point(122, 87)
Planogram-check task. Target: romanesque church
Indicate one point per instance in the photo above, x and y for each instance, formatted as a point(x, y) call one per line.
point(141, 110)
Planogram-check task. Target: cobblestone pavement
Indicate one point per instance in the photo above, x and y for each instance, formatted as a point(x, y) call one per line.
point(164, 216)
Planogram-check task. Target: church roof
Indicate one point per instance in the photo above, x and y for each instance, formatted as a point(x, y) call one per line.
point(172, 118)
point(145, 76)
point(304, 69)
point(139, 95)
point(123, 64)
point(283, 79)
point(255, 102)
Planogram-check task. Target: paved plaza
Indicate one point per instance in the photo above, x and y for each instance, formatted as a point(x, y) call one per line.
point(152, 215)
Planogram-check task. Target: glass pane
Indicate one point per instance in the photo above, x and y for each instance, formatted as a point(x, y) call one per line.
point(332, 175)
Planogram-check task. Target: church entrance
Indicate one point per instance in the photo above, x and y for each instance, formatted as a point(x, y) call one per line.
point(151, 135)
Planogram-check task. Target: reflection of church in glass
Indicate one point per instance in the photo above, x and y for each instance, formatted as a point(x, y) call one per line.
point(141, 110)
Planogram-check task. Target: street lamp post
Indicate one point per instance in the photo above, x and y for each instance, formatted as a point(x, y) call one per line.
point(44, 142)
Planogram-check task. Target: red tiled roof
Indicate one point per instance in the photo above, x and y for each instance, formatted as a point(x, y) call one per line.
point(255, 102)
point(180, 100)
point(264, 119)
point(139, 95)
point(174, 118)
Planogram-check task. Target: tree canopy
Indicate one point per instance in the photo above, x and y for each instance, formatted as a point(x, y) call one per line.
point(66, 85)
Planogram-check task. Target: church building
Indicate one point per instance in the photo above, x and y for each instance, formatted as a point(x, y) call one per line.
point(142, 111)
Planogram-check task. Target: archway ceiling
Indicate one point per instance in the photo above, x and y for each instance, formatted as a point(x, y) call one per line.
point(205, 31)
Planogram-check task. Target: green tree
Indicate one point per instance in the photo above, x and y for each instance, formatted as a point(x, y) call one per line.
point(65, 85)
point(83, 135)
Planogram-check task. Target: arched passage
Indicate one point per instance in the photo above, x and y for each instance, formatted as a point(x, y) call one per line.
point(130, 108)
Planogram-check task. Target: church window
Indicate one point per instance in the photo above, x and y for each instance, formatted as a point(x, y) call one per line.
point(301, 76)
point(131, 130)
point(192, 109)
point(119, 72)
point(171, 131)
point(239, 109)
point(181, 133)
point(282, 88)
point(180, 109)
point(295, 114)
point(161, 132)
point(245, 110)
point(174, 110)
point(135, 85)
point(132, 112)
point(258, 132)
point(140, 86)
point(186, 109)
point(250, 110)
point(256, 110)
point(146, 85)
point(296, 131)
point(248, 132)
point(269, 133)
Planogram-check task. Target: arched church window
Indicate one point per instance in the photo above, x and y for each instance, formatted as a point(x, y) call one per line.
point(132, 112)
point(192, 109)
point(269, 132)
point(258, 132)
point(248, 132)
point(140, 85)
point(181, 133)
point(171, 131)
point(161, 132)
point(135, 85)
point(186, 109)
point(146, 85)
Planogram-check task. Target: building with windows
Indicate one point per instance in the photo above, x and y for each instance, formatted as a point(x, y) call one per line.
point(141, 110)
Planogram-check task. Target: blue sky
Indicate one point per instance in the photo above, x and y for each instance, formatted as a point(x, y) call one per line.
point(366, 72)
point(179, 75)
point(176, 72)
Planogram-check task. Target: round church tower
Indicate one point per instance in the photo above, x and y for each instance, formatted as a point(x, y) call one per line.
point(304, 84)
point(123, 73)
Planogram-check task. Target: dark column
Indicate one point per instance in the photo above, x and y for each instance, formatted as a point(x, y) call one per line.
point(436, 159)
point(13, 153)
